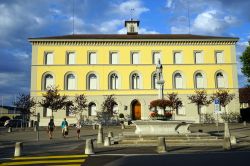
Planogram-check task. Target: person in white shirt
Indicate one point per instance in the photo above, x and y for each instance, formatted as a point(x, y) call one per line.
point(78, 129)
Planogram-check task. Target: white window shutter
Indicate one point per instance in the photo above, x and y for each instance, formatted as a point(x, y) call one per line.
point(93, 110)
point(49, 58)
point(177, 58)
point(92, 58)
point(93, 82)
point(71, 82)
point(49, 81)
point(220, 82)
point(199, 81)
point(116, 82)
point(219, 57)
point(198, 57)
point(48, 112)
point(178, 81)
point(114, 58)
point(135, 58)
point(156, 57)
point(203, 109)
point(71, 58)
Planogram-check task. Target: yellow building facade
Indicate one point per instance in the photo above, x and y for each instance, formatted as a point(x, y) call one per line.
point(124, 65)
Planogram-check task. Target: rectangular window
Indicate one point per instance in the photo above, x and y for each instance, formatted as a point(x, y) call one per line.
point(177, 58)
point(92, 58)
point(114, 57)
point(156, 57)
point(71, 58)
point(181, 111)
point(135, 58)
point(198, 57)
point(49, 58)
point(219, 57)
point(48, 112)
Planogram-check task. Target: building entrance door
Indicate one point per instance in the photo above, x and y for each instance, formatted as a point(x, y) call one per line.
point(136, 110)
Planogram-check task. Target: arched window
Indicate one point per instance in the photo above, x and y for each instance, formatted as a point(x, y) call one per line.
point(135, 81)
point(220, 80)
point(92, 109)
point(48, 81)
point(154, 83)
point(199, 80)
point(178, 81)
point(70, 82)
point(115, 109)
point(113, 81)
point(92, 80)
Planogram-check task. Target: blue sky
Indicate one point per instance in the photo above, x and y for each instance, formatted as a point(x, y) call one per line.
point(21, 19)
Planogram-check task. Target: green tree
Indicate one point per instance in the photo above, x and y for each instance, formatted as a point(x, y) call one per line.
point(25, 102)
point(175, 101)
point(245, 60)
point(224, 97)
point(53, 100)
point(200, 99)
point(107, 108)
point(79, 105)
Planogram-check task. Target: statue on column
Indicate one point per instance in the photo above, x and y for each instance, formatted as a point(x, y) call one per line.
point(160, 80)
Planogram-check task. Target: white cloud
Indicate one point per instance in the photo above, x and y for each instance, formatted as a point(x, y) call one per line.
point(179, 30)
point(141, 31)
point(109, 26)
point(124, 9)
point(169, 3)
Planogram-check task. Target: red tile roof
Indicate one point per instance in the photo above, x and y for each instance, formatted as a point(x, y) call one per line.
point(137, 36)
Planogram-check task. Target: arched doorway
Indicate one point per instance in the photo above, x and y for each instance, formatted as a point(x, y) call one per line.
point(136, 110)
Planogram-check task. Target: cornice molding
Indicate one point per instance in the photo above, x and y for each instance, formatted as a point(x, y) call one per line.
point(131, 43)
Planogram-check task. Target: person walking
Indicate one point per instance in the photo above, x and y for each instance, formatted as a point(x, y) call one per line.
point(78, 129)
point(64, 127)
point(51, 126)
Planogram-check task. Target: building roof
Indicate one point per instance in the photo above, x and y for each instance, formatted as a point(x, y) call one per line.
point(137, 36)
point(244, 94)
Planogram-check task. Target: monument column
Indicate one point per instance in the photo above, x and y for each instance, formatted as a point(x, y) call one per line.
point(160, 80)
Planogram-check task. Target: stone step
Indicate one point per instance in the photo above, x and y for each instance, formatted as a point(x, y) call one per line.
point(176, 142)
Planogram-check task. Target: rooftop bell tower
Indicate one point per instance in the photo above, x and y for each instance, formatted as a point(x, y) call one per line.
point(132, 27)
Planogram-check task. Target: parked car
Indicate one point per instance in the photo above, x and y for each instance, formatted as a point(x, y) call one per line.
point(15, 123)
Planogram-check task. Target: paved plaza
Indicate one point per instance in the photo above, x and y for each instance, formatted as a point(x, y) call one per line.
point(70, 150)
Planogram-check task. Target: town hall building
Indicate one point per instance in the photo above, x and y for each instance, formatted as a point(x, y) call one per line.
point(125, 65)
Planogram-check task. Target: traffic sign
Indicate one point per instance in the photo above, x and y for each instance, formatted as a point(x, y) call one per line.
point(216, 105)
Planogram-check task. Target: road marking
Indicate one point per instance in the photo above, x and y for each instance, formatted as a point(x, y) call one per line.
point(49, 157)
point(73, 160)
point(43, 162)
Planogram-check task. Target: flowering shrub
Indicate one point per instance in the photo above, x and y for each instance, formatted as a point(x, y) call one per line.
point(168, 114)
point(162, 103)
point(153, 114)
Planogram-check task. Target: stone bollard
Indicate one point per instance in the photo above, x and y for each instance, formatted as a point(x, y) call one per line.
point(233, 140)
point(245, 123)
point(100, 136)
point(35, 128)
point(161, 147)
point(100, 126)
point(227, 144)
point(94, 126)
point(110, 134)
point(226, 131)
point(9, 129)
point(18, 149)
point(107, 141)
point(89, 147)
point(123, 126)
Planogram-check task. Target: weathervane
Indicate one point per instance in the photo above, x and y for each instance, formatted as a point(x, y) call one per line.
point(131, 13)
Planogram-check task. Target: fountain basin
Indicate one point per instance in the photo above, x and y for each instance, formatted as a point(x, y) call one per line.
point(157, 127)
